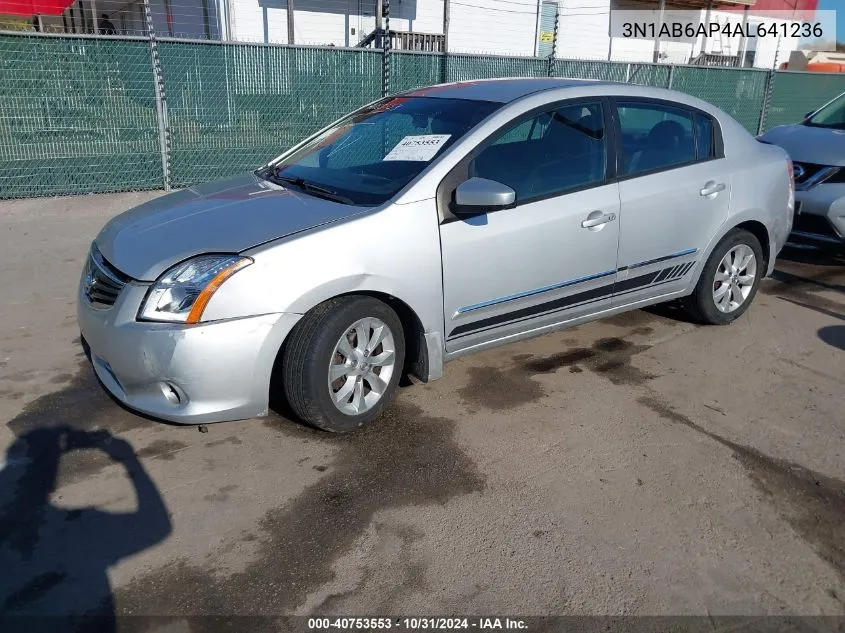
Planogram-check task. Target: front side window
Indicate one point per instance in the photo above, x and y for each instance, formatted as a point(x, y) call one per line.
point(550, 153)
point(655, 137)
point(369, 156)
point(830, 116)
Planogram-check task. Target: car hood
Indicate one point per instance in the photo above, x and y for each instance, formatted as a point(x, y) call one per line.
point(807, 144)
point(225, 216)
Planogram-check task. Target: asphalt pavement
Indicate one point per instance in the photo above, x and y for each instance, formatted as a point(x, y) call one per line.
point(637, 465)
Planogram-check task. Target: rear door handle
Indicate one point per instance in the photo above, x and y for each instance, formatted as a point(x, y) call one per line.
point(597, 218)
point(711, 188)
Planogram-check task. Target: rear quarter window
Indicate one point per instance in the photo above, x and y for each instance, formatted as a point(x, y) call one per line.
point(705, 132)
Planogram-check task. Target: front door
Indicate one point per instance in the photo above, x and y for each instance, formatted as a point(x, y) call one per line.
point(675, 189)
point(553, 256)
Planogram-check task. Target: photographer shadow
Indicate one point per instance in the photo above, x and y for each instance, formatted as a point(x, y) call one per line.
point(55, 560)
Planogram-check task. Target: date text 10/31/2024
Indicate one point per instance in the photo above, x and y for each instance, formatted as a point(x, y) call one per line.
point(491, 623)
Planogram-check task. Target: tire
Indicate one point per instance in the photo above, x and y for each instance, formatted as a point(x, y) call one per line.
point(702, 305)
point(315, 344)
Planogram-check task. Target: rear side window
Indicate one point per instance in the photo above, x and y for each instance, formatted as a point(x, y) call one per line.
point(551, 153)
point(705, 136)
point(655, 137)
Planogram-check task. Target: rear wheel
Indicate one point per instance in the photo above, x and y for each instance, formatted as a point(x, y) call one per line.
point(343, 362)
point(729, 280)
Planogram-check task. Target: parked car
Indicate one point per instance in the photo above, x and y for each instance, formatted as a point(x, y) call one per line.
point(423, 227)
point(817, 148)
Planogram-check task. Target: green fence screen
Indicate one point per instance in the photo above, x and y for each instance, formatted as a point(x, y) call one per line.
point(740, 93)
point(79, 115)
point(796, 94)
point(76, 116)
point(233, 107)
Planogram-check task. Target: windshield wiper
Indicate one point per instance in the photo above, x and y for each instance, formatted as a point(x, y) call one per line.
point(827, 126)
point(310, 187)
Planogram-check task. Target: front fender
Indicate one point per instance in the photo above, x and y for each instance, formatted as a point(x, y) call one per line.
point(395, 251)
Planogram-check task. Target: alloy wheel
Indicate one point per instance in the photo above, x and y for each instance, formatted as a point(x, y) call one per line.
point(361, 366)
point(734, 278)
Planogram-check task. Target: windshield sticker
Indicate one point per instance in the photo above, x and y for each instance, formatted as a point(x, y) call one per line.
point(421, 148)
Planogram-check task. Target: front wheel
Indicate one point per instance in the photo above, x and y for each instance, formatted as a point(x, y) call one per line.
point(729, 280)
point(343, 362)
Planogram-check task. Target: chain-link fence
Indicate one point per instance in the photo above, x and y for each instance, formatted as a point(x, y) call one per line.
point(77, 115)
point(233, 106)
point(81, 114)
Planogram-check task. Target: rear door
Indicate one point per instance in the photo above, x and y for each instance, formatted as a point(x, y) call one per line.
point(675, 190)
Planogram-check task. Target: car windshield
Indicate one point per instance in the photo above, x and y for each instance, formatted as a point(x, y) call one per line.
point(369, 156)
point(832, 115)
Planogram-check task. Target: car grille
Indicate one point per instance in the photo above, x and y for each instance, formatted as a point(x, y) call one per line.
point(103, 282)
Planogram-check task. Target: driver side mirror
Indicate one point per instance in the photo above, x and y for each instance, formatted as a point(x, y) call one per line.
point(479, 195)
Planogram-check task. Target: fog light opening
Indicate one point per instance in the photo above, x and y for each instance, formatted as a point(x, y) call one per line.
point(171, 394)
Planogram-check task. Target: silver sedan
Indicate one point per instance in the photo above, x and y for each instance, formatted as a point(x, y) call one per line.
point(423, 227)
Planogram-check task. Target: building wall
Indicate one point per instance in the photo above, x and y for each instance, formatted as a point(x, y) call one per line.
point(485, 26)
point(584, 29)
point(328, 22)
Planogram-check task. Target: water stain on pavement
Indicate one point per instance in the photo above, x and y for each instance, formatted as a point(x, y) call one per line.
point(813, 504)
point(408, 458)
point(500, 389)
point(413, 573)
point(496, 389)
point(222, 495)
point(632, 318)
point(162, 449)
point(232, 439)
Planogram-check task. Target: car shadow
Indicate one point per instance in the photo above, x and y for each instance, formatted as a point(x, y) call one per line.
point(833, 335)
point(55, 560)
point(673, 310)
point(820, 256)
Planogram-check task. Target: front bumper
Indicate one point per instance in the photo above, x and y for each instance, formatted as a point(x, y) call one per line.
point(821, 217)
point(188, 374)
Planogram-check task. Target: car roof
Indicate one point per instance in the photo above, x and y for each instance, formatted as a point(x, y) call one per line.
point(500, 90)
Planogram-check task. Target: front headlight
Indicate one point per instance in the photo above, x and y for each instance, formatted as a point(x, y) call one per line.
point(182, 292)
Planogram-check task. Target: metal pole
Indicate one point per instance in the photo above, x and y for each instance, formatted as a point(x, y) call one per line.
point(767, 99)
point(707, 24)
point(445, 26)
point(379, 13)
point(385, 59)
point(205, 23)
point(671, 76)
point(656, 54)
point(743, 41)
point(161, 100)
point(554, 42)
point(96, 18)
point(290, 22)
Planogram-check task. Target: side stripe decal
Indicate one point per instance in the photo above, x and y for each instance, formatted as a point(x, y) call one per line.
point(626, 286)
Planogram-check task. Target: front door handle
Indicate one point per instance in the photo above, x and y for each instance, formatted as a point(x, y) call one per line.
point(711, 189)
point(597, 219)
